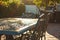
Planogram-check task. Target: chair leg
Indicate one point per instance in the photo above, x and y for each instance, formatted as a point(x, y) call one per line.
point(9, 37)
point(0, 36)
point(3, 37)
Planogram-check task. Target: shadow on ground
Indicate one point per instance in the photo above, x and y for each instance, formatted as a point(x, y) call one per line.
point(54, 30)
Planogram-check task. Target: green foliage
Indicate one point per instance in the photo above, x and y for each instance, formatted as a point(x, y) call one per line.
point(58, 1)
point(8, 7)
point(37, 2)
point(43, 2)
point(8, 2)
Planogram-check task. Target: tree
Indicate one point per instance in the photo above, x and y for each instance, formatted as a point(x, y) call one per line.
point(58, 1)
point(8, 7)
point(37, 2)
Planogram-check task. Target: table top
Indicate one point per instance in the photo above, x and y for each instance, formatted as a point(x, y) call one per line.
point(15, 26)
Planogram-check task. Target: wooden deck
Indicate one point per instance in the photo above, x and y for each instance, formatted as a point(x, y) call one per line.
point(53, 31)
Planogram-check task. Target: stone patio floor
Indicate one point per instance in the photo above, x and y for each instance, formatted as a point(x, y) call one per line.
point(53, 31)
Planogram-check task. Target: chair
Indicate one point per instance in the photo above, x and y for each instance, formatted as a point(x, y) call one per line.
point(39, 32)
point(41, 27)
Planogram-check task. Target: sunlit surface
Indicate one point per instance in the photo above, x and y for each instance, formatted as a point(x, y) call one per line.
point(16, 24)
point(50, 37)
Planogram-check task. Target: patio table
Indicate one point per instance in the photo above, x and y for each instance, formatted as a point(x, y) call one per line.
point(11, 26)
